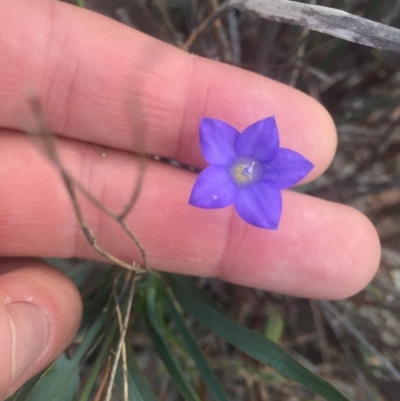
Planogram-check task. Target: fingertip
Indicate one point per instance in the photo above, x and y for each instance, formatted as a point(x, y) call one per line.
point(364, 250)
point(341, 248)
point(321, 250)
point(43, 309)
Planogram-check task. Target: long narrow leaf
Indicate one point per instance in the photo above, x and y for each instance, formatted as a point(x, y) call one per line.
point(250, 342)
point(170, 362)
point(61, 380)
point(133, 391)
point(100, 358)
point(138, 378)
point(139, 389)
point(192, 347)
point(24, 391)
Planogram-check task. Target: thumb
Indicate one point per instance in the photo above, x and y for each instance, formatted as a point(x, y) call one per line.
point(40, 310)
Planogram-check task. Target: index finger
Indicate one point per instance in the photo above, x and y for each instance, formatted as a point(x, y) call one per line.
point(89, 68)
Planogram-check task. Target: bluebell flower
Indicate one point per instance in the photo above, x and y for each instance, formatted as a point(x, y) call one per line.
point(246, 169)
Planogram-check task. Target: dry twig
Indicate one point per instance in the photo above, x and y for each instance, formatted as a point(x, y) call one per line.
point(324, 19)
point(40, 130)
point(196, 33)
point(327, 20)
point(131, 278)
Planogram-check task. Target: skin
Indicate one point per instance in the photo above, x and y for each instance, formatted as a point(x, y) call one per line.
point(103, 83)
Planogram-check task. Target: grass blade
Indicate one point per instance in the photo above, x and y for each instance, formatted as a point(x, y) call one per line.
point(24, 391)
point(250, 342)
point(98, 363)
point(61, 380)
point(138, 387)
point(193, 349)
point(133, 391)
point(138, 378)
point(170, 362)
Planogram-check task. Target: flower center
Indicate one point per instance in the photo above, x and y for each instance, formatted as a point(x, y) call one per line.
point(245, 170)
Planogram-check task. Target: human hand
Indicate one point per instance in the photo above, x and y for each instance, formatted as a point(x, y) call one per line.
point(87, 69)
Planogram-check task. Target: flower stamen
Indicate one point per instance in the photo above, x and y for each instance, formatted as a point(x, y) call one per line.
point(244, 172)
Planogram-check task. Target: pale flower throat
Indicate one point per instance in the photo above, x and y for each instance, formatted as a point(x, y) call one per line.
point(245, 171)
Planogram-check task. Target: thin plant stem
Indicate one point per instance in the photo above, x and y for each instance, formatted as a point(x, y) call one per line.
point(132, 277)
point(39, 129)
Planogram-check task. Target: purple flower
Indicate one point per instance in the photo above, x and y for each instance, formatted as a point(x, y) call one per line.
point(248, 169)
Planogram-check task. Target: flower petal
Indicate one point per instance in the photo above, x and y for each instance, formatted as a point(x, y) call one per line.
point(287, 169)
point(217, 141)
point(213, 189)
point(259, 141)
point(260, 204)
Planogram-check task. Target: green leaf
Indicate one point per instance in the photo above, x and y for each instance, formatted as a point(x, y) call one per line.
point(133, 391)
point(95, 305)
point(250, 342)
point(24, 391)
point(60, 381)
point(160, 344)
point(138, 378)
point(100, 358)
point(76, 269)
point(138, 387)
point(193, 349)
point(275, 324)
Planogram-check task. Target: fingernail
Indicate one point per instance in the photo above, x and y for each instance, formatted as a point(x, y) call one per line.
point(30, 332)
